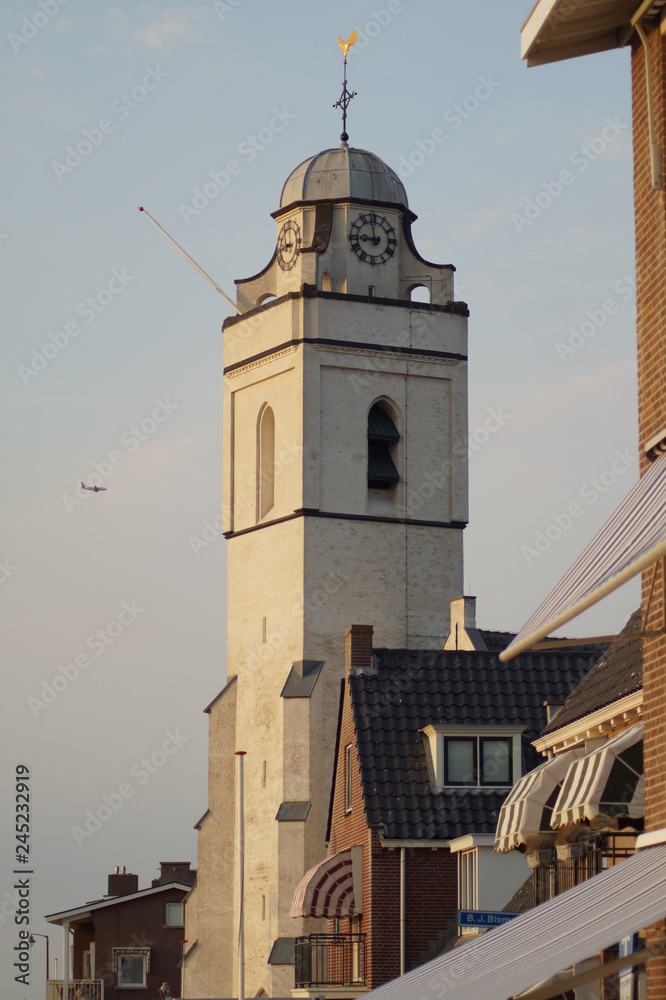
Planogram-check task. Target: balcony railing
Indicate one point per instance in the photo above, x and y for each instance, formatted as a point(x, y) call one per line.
point(79, 989)
point(330, 960)
point(558, 875)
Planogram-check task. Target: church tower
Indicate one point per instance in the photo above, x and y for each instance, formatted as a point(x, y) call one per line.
point(345, 499)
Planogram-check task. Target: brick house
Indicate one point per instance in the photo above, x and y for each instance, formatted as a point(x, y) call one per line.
point(428, 744)
point(130, 940)
point(558, 30)
point(582, 810)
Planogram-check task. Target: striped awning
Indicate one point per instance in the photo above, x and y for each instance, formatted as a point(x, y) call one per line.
point(537, 945)
point(632, 540)
point(528, 807)
point(607, 782)
point(327, 890)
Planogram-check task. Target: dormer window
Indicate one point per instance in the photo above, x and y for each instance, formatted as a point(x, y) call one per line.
point(474, 756)
point(477, 760)
point(382, 438)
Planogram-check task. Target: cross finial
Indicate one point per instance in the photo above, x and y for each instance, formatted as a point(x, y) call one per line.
point(346, 95)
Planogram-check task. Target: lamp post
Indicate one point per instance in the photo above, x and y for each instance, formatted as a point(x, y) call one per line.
point(31, 942)
point(165, 992)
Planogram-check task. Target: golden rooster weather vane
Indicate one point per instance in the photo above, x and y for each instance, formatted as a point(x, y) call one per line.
point(346, 96)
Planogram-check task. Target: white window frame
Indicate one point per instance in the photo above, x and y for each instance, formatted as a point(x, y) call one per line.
point(143, 954)
point(180, 921)
point(348, 777)
point(468, 879)
point(436, 736)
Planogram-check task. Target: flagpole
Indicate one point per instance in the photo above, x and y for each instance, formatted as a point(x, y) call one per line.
point(240, 754)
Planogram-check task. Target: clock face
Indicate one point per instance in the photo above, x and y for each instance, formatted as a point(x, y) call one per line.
point(288, 245)
point(372, 238)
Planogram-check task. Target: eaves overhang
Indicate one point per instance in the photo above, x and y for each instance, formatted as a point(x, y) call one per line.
point(85, 912)
point(564, 29)
point(611, 718)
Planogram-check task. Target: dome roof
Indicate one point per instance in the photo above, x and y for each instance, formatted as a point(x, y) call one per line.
point(343, 173)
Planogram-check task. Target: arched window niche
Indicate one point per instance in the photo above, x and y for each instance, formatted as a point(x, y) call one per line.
point(265, 461)
point(326, 283)
point(419, 293)
point(383, 456)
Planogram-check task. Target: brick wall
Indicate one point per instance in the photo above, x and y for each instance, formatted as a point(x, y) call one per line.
point(650, 210)
point(136, 923)
point(430, 878)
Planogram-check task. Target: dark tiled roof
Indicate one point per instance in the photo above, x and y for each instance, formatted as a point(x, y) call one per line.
point(497, 641)
point(523, 898)
point(618, 673)
point(405, 690)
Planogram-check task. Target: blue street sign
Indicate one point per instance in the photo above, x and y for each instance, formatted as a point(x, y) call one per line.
point(484, 918)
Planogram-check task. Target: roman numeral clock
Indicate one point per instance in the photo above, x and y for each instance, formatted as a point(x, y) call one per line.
point(372, 238)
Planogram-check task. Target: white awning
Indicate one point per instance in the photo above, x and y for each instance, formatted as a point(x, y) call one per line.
point(554, 936)
point(327, 890)
point(632, 540)
point(528, 807)
point(607, 782)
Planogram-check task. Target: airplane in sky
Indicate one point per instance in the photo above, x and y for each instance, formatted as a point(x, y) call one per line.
point(95, 489)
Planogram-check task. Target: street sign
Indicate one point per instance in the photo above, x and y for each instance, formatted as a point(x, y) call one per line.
point(484, 918)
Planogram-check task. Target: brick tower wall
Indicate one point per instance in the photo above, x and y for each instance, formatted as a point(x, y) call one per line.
point(650, 210)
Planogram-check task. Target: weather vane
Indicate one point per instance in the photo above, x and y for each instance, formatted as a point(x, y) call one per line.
point(346, 96)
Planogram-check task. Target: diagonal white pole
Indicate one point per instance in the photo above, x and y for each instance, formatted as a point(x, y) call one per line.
point(193, 262)
point(240, 754)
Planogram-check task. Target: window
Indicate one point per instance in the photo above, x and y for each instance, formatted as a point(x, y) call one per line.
point(348, 778)
point(477, 760)
point(131, 966)
point(174, 915)
point(382, 438)
point(467, 879)
point(265, 462)
point(474, 756)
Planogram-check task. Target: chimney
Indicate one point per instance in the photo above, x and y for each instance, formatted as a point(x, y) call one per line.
point(122, 883)
point(464, 633)
point(358, 646)
point(176, 871)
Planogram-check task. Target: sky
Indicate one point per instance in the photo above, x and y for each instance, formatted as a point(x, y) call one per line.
point(113, 612)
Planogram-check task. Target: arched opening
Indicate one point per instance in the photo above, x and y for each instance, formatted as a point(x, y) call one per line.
point(263, 299)
point(419, 293)
point(265, 462)
point(383, 437)
point(326, 283)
